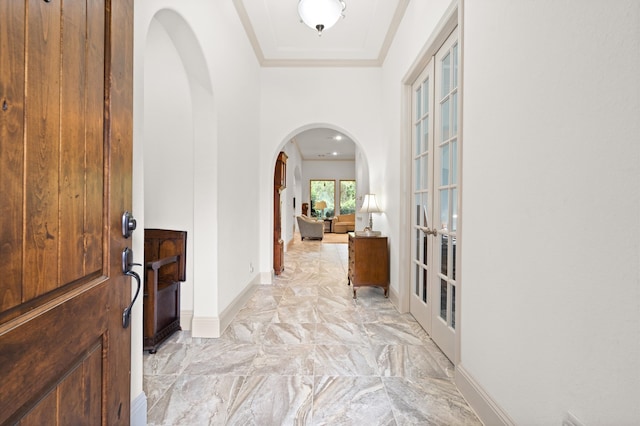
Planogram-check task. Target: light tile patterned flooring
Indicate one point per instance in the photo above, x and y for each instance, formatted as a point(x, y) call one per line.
point(304, 352)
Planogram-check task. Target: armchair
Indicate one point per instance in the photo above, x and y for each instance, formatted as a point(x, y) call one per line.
point(344, 223)
point(310, 228)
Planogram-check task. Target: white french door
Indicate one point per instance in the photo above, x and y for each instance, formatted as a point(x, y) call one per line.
point(436, 181)
point(422, 211)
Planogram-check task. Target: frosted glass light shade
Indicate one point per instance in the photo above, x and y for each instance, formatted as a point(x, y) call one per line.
point(320, 14)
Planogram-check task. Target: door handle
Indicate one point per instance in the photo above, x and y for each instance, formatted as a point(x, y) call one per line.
point(431, 232)
point(127, 269)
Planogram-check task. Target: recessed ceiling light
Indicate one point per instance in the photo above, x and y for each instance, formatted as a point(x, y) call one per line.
point(334, 153)
point(338, 137)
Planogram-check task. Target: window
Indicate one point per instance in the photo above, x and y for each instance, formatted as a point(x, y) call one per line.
point(323, 190)
point(347, 196)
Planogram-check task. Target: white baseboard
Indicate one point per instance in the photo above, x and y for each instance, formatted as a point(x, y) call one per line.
point(394, 297)
point(264, 278)
point(139, 410)
point(186, 318)
point(234, 307)
point(485, 407)
point(212, 327)
point(207, 327)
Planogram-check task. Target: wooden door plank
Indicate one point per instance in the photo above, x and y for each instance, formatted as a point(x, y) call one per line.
point(72, 141)
point(42, 148)
point(11, 151)
point(94, 128)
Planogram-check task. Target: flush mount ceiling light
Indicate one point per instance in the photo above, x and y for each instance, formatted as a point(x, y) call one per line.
point(321, 15)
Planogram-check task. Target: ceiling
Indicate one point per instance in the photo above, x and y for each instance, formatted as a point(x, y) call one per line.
point(324, 144)
point(362, 38)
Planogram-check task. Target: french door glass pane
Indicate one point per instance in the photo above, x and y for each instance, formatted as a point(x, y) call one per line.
point(425, 209)
point(453, 257)
point(425, 134)
point(444, 119)
point(455, 65)
point(454, 209)
point(425, 248)
point(425, 172)
point(425, 286)
point(443, 299)
point(453, 306)
point(444, 165)
point(418, 132)
point(444, 251)
point(418, 174)
point(454, 161)
point(446, 74)
point(425, 97)
point(454, 114)
point(444, 209)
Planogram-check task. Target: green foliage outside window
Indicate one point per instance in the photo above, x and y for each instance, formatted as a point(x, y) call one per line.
point(323, 190)
point(347, 196)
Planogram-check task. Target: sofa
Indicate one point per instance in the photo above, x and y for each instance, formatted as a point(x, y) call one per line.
point(310, 228)
point(344, 223)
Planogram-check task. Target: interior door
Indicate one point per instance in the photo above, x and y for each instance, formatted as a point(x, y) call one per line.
point(446, 195)
point(435, 193)
point(422, 192)
point(65, 180)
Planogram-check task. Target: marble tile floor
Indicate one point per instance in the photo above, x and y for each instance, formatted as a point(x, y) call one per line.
point(304, 352)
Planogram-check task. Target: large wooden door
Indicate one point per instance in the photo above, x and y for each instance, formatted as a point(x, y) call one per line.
point(65, 180)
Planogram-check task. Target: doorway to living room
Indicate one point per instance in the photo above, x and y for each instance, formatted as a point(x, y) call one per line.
point(326, 178)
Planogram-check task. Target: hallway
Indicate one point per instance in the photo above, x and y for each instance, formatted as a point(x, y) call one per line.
point(302, 351)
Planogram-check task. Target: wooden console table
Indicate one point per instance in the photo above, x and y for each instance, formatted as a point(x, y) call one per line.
point(368, 262)
point(165, 263)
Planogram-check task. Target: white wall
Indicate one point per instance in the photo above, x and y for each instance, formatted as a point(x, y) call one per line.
point(224, 139)
point(418, 24)
point(550, 269)
point(551, 185)
point(168, 146)
point(551, 208)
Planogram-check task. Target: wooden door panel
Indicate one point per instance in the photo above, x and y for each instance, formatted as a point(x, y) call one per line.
point(66, 403)
point(11, 150)
point(65, 179)
point(65, 331)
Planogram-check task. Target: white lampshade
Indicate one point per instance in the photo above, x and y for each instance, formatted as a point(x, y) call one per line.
point(320, 14)
point(369, 205)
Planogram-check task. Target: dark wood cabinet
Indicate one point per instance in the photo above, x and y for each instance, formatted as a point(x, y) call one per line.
point(165, 267)
point(368, 262)
point(279, 183)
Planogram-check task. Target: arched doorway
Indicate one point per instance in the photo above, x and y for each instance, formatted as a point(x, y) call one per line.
point(315, 162)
